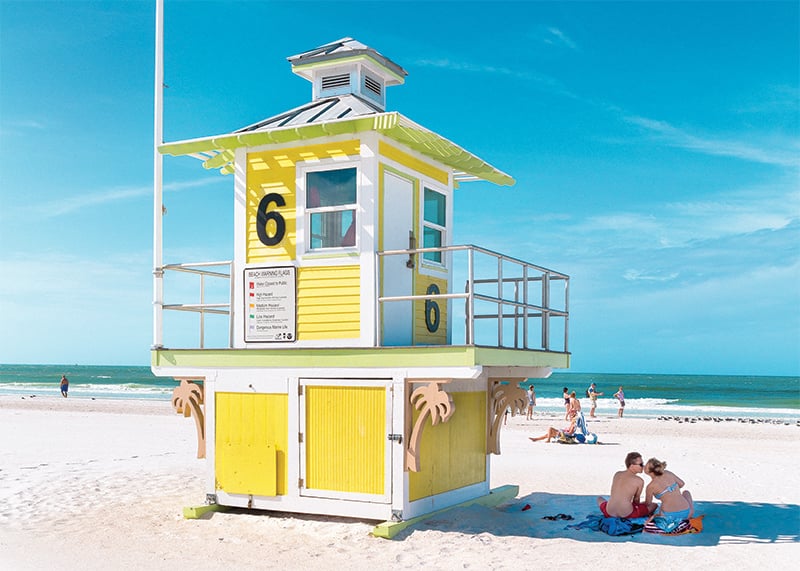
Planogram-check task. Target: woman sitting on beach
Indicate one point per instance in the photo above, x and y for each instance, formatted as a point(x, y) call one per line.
point(565, 434)
point(665, 486)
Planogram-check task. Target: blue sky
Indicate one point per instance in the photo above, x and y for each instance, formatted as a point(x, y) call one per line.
point(656, 148)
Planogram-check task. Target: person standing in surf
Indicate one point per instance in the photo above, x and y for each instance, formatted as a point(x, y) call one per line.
point(620, 396)
point(592, 393)
point(531, 401)
point(64, 386)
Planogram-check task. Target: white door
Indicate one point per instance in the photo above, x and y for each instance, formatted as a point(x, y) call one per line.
point(396, 277)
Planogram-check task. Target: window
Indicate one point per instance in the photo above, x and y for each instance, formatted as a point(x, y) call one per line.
point(331, 208)
point(434, 215)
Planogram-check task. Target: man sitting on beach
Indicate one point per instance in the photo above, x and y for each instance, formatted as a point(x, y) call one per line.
point(626, 492)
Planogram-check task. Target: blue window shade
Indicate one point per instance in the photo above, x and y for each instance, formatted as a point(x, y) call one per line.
point(432, 238)
point(331, 188)
point(435, 203)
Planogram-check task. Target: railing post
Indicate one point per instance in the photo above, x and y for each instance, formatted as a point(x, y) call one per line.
point(566, 317)
point(500, 301)
point(376, 323)
point(516, 313)
point(231, 312)
point(546, 311)
point(202, 311)
point(525, 306)
point(471, 298)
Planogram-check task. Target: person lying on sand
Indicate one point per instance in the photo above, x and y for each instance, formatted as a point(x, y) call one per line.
point(626, 492)
point(556, 433)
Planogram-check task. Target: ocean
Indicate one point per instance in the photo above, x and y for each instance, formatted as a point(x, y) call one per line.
point(645, 395)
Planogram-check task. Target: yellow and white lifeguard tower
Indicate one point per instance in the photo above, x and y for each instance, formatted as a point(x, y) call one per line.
point(370, 361)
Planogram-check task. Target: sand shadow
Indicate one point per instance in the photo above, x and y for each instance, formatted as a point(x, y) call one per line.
point(723, 522)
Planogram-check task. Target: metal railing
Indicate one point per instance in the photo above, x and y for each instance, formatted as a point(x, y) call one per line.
point(203, 308)
point(497, 288)
point(507, 302)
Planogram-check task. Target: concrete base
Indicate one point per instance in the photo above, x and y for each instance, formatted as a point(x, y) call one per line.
point(389, 529)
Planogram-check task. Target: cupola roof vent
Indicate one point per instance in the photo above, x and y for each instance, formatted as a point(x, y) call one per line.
point(345, 67)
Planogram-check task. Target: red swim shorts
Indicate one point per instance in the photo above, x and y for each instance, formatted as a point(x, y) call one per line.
point(639, 510)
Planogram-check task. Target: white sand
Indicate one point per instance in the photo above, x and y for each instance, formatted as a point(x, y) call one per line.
point(101, 485)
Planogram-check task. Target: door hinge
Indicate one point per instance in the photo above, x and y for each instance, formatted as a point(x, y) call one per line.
point(299, 390)
point(396, 438)
point(300, 482)
point(300, 437)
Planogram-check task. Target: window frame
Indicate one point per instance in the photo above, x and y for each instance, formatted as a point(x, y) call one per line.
point(442, 229)
point(308, 211)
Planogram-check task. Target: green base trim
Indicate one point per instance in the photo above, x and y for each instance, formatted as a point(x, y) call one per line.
point(197, 512)
point(389, 529)
point(368, 357)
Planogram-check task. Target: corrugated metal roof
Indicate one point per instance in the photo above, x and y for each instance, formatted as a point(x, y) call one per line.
point(311, 122)
point(345, 47)
point(319, 111)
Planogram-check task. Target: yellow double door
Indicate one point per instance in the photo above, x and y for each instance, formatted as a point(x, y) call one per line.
point(342, 434)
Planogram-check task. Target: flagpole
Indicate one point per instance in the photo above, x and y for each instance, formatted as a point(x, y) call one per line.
point(158, 160)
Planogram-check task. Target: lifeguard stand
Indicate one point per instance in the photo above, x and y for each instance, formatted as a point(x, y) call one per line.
point(370, 361)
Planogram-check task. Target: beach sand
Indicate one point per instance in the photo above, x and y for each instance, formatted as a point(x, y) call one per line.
point(101, 485)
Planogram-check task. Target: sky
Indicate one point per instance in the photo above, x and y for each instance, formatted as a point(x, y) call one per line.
point(655, 147)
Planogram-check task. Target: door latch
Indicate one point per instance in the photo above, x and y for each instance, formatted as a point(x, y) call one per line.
point(396, 438)
point(412, 245)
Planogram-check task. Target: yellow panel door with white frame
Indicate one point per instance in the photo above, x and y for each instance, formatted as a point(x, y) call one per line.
point(345, 451)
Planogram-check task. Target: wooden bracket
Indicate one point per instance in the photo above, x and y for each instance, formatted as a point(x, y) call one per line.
point(431, 401)
point(187, 399)
point(503, 395)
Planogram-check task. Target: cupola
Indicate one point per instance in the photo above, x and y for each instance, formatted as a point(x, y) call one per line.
point(346, 67)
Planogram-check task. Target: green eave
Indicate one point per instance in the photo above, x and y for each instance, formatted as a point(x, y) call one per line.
point(369, 357)
point(218, 151)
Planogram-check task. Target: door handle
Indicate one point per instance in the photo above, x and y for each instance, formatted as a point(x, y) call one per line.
point(412, 245)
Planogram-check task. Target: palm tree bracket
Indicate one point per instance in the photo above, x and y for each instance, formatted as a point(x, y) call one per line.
point(505, 394)
point(187, 399)
point(431, 401)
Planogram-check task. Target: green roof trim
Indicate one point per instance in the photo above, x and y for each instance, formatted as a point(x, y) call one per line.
point(218, 151)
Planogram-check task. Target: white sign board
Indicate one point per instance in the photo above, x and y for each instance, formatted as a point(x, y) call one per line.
point(270, 298)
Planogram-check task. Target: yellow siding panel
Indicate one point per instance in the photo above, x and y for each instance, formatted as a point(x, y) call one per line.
point(251, 443)
point(322, 322)
point(318, 290)
point(413, 163)
point(452, 454)
point(328, 302)
point(346, 439)
point(421, 334)
point(275, 172)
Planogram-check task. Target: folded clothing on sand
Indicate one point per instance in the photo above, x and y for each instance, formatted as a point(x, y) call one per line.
point(610, 525)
